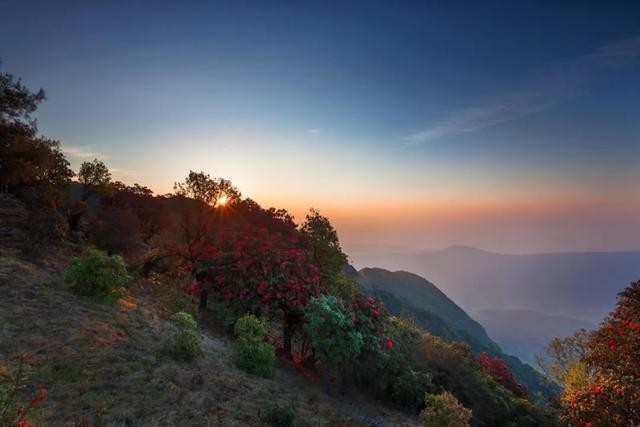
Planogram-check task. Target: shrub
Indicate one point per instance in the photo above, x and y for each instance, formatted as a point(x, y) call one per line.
point(410, 388)
point(279, 416)
point(98, 275)
point(252, 353)
point(186, 343)
point(443, 410)
point(332, 330)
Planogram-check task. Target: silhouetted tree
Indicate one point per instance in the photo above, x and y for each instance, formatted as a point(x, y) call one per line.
point(95, 179)
point(26, 159)
point(199, 194)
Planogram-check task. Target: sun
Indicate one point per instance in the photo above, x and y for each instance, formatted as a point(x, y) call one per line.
point(223, 200)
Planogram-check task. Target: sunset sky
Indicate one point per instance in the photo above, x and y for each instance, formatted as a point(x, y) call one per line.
point(509, 127)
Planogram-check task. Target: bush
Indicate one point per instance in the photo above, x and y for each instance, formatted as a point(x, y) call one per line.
point(98, 275)
point(332, 331)
point(443, 410)
point(279, 416)
point(252, 353)
point(410, 388)
point(186, 343)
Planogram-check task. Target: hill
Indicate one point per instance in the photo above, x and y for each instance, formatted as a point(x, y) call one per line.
point(409, 295)
point(105, 364)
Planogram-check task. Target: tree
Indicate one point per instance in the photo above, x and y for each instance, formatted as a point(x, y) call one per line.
point(334, 336)
point(269, 272)
point(325, 248)
point(562, 353)
point(198, 196)
point(210, 191)
point(603, 387)
point(17, 102)
point(26, 159)
point(95, 178)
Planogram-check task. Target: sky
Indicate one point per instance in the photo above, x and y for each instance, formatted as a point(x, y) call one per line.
point(509, 126)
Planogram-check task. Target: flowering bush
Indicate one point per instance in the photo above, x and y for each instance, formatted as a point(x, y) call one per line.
point(333, 331)
point(604, 387)
point(497, 369)
point(98, 275)
point(443, 410)
point(266, 271)
point(13, 411)
point(252, 353)
point(186, 343)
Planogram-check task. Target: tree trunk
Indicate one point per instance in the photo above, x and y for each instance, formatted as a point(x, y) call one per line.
point(203, 300)
point(286, 338)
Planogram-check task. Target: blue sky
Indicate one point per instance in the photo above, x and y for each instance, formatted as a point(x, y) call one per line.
point(440, 114)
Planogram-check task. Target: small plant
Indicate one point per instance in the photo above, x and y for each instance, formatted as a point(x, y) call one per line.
point(13, 410)
point(98, 275)
point(186, 343)
point(279, 416)
point(253, 354)
point(445, 411)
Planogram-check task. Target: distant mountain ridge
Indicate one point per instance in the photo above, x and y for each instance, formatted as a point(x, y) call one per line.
point(409, 295)
point(545, 283)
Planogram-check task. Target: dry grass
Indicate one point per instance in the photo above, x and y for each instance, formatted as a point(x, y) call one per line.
point(106, 362)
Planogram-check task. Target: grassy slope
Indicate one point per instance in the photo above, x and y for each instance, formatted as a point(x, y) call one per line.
point(94, 357)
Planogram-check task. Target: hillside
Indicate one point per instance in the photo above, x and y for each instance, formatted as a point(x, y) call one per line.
point(422, 294)
point(411, 296)
point(527, 333)
point(103, 363)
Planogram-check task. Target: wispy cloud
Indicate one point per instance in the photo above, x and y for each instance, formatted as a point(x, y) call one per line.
point(549, 86)
point(315, 131)
point(83, 152)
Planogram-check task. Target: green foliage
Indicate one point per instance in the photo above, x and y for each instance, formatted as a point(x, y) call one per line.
point(252, 353)
point(184, 320)
point(227, 314)
point(410, 388)
point(98, 275)
point(331, 329)
point(326, 251)
point(186, 342)
point(444, 410)
point(279, 416)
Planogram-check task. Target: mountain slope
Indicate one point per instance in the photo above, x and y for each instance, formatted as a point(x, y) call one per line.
point(104, 364)
point(408, 295)
point(526, 333)
point(544, 283)
point(422, 294)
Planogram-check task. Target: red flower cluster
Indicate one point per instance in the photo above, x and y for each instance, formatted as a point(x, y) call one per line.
point(263, 269)
point(497, 369)
point(369, 314)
